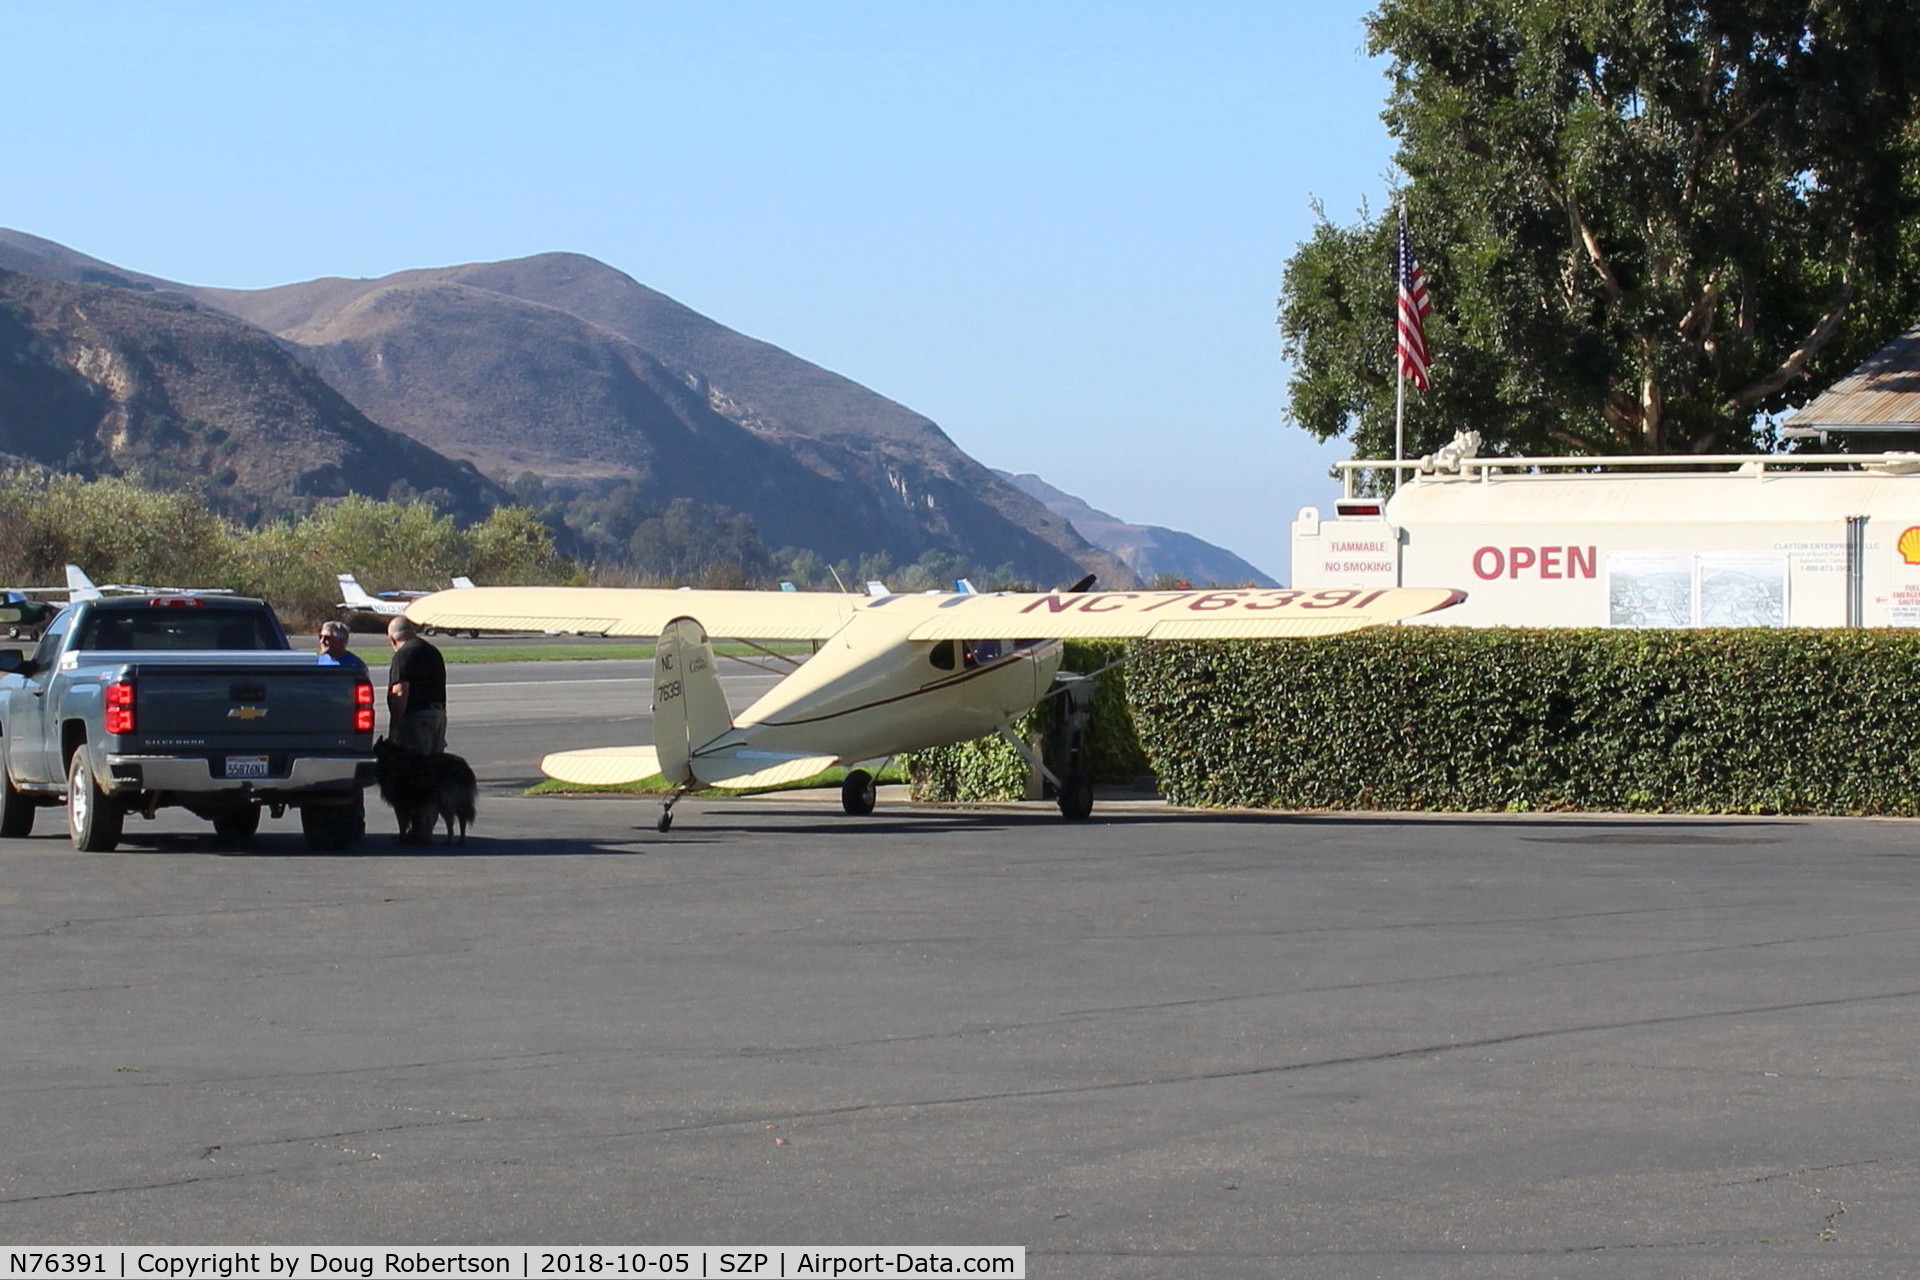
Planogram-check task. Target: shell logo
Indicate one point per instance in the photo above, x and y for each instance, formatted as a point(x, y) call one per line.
point(1909, 545)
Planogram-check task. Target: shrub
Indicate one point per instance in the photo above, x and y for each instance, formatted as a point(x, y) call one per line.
point(1711, 721)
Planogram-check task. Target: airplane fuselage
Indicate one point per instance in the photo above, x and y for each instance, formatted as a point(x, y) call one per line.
point(872, 693)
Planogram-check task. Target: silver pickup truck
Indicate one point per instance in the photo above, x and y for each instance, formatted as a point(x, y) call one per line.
point(132, 704)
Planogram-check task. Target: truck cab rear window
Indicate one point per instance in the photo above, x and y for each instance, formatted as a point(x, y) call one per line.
point(160, 630)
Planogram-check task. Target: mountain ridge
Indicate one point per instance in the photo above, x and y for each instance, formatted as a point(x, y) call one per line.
point(561, 371)
point(104, 379)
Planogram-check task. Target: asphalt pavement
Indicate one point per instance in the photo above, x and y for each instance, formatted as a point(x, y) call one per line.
point(1157, 1043)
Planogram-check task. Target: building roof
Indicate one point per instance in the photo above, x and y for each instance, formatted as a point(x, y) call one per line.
point(1883, 394)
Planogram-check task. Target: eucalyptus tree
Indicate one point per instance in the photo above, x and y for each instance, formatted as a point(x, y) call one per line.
point(1643, 224)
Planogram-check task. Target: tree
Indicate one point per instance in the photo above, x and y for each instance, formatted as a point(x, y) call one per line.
point(511, 546)
point(693, 543)
point(1643, 223)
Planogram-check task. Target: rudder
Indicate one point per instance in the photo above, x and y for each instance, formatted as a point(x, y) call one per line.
point(689, 706)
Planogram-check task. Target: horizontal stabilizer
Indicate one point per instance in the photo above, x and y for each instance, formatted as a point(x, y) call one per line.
point(743, 768)
point(602, 766)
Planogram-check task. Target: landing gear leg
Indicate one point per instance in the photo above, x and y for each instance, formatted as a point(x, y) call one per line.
point(665, 824)
point(1072, 789)
point(1075, 790)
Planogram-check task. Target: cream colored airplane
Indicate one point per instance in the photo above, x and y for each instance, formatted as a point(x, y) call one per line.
point(890, 673)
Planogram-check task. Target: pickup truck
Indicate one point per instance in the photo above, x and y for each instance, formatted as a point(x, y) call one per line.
point(131, 704)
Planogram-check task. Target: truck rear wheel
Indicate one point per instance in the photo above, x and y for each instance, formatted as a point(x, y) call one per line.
point(236, 824)
point(94, 818)
point(329, 828)
point(16, 809)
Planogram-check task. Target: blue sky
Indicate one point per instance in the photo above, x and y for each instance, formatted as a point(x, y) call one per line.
point(1057, 229)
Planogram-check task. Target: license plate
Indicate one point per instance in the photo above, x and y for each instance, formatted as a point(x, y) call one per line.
point(246, 766)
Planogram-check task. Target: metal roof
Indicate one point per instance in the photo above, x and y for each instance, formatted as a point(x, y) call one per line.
point(1883, 394)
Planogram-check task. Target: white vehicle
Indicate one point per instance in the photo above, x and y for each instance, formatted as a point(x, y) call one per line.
point(1804, 540)
point(892, 673)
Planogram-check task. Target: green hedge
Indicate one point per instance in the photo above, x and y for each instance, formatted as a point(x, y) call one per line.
point(1710, 721)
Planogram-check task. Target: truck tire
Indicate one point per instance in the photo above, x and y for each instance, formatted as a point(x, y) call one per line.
point(94, 818)
point(237, 824)
point(16, 809)
point(329, 828)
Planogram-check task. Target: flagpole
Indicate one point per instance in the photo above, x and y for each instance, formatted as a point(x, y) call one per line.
point(1399, 372)
point(1399, 420)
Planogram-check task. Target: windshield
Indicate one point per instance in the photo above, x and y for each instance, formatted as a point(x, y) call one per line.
point(180, 628)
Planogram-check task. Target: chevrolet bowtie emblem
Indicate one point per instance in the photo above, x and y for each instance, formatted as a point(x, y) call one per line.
point(246, 713)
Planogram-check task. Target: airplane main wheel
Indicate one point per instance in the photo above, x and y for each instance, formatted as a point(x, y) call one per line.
point(1076, 797)
point(858, 793)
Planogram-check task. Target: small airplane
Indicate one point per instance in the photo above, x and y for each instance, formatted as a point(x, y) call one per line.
point(890, 673)
point(388, 604)
point(81, 587)
point(34, 614)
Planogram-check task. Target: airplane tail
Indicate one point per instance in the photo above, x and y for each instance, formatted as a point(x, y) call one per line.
point(79, 585)
point(463, 583)
point(351, 592)
point(689, 707)
point(690, 721)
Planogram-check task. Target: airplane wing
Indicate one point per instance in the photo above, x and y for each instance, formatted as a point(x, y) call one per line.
point(636, 611)
point(1228, 614)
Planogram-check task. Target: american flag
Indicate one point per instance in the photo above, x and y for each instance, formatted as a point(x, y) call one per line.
point(1414, 306)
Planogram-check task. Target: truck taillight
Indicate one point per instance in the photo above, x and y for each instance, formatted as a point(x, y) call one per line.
point(363, 707)
point(120, 706)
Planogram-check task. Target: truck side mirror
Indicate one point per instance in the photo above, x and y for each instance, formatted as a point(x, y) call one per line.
point(14, 662)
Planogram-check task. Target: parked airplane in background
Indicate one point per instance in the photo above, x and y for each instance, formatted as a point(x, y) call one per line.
point(388, 604)
point(81, 587)
point(891, 673)
point(34, 614)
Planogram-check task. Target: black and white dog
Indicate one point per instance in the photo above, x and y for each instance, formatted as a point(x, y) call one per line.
point(424, 790)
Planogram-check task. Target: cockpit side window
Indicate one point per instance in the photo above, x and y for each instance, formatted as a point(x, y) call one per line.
point(981, 652)
point(941, 655)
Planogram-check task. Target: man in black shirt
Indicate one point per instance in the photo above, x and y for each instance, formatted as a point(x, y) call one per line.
point(416, 691)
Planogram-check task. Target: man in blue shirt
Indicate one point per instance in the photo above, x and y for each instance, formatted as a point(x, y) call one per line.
point(333, 647)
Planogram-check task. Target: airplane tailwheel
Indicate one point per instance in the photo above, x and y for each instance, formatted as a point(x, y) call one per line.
point(666, 821)
point(858, 793)
point(1076, 797)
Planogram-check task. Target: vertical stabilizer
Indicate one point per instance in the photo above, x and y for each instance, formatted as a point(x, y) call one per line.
point(79, 585)
point(351, 592)
point(689, 707)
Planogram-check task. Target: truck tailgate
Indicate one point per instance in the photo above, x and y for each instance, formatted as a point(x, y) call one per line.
point(252, 704)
